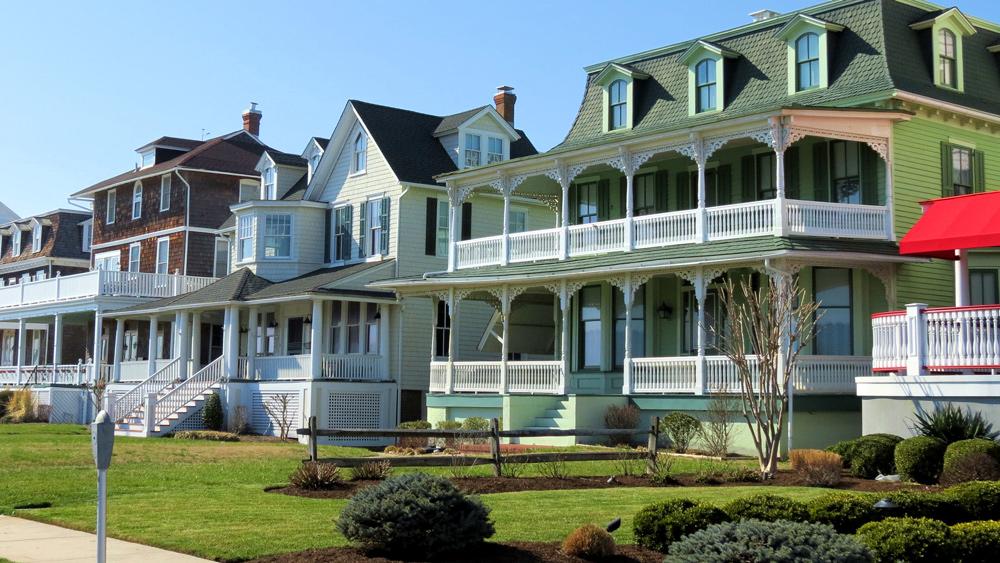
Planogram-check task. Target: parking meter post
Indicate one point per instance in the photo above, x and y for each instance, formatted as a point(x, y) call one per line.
point(102, 437)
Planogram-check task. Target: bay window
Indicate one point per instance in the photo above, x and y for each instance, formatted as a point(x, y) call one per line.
point(277, 236)
point(245, 237)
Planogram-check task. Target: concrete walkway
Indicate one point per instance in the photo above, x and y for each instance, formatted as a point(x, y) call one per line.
point(26, 541)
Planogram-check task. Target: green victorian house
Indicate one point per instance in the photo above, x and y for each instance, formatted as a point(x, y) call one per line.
point(797, 145)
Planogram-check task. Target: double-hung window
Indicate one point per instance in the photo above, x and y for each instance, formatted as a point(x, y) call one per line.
point(473, 150)
point(617, 105)
point(163, 256)
point(705, 85)
point(644, 195)
point(270, 184)
point(947, 59)
point(638, 336)
point(134, 255)
point(807, 62)
point(845, 171)
point(587, 197)
point(277, 236)
point(87, 235)
point(353, 327)
point(112, 206)
point(442, 329)
point(590, 339)
point(495, 153)
point(442, 228)
point(245, 237)
point(337, 327)
point(961, 170)
point(983, 287)
point(342, 232)
point(518, 222)
point(372, 316)
point(165, 192)
point(359, 161)
point(36, 238)
point(221, 263)
point(767, 187)
point(15, 240)
point(137, 200)
point(832, 291)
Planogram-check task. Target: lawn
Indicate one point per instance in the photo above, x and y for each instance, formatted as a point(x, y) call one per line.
point(207, 498)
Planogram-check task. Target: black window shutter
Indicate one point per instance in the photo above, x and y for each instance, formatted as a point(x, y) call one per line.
point(430, 227)
point(385, 222)
point(326, 235)
point(348, 232)
point(724, 177)
point(363, 238)
point(683, 191)
point(748, 178)
point(869, 175)
point(978, 172)
point(662, 191)
point(603, 199)
point(947, 182)
point(821, 171)
point(466, 221)
point(792, 180)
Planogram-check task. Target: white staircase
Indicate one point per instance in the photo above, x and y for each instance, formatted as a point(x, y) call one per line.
point(174, 403)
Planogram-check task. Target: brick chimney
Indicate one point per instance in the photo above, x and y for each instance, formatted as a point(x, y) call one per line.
point(504, 100)
point(251, 119)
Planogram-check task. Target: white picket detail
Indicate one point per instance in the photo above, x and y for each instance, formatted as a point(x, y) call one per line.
point(439, 377)
point(189, 389)
point(740, 220)
point(476, 253)
point(963, 337)
point(829, 374)
point(270, 368)
point(664, 375)
point(476, 377)
point(542, 377)
point(99, 282)
point(595, 238)
point(535, 245)
point(353, 367)
point(890, 341)
point(825, 219)
point(155, 383)
point(665, 229)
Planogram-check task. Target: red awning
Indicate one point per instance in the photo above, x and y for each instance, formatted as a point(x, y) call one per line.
point(954, 223)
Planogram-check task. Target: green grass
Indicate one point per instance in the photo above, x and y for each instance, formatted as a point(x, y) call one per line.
point(207, 498)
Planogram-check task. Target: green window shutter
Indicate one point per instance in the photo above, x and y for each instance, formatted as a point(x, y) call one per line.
point(662, 191)
point(869, 175)
point(978, 172)
point(603, 199)
point(793, 181)
point(947, 182)
point(327, 230)
point(466, 233)
point(821, 170)
point(748, 178)
point(363, 238)
point(683, 191)
point(385, 223)
point(430, 227)
point(724, 177)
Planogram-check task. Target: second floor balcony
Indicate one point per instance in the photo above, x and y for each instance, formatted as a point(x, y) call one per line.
point(99, 283)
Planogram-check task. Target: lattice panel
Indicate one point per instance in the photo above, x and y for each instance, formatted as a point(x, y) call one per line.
point(192, 422)
point(67, 407)
point(263, 423)
point(355, 410)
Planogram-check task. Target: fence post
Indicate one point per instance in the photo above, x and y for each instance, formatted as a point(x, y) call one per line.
point(313, 455)
point(495, 446)
point(654, 430)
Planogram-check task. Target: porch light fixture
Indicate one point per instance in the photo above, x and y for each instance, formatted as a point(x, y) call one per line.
point(272, 324)
point(378, 315)
point(664, 311)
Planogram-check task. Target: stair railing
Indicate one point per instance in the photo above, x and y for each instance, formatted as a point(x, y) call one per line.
point(190, 388)
point(130, 401)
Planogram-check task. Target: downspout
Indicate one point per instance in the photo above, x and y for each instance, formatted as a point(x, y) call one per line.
point(187, 218)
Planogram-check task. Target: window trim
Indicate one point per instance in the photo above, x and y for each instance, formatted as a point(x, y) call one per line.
point(290, 236)
point(246, 223)
point(215, 257)
point(159, 256)
point(137, 200)
point(269, 184)
point(165, 187)
point(138, 260)
point(359, 153)
point(16, 241)
point(36, 237)
point(467, 152)
point(711, 83)
point(343, 237)
point(808, 61)
point(622, 102)
point(111, 207)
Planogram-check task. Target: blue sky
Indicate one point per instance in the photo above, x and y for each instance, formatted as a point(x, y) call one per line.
point(85, 83)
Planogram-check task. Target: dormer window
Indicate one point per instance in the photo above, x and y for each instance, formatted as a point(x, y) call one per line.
point(807, 62)
point(947, 59)
point(495, 153)
point(945, 32)
point(16, 241)
point(270, 184)
point(36, 238)
point(148, 158)
point(705, 87)
point(314, 164)
point(137, 200)
point(618, 108)
point(473, 150)
point(359, 162)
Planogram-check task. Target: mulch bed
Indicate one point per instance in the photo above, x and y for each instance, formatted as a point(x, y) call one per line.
point(488, 485)
point(517, 552)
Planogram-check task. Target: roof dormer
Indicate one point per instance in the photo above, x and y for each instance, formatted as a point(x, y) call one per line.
point(164, 149)
point(706, 76)
point(313, 153)
point(945, 32)
point(280, 173)
point(809, 43)
point(478, 137)
point(617, 82)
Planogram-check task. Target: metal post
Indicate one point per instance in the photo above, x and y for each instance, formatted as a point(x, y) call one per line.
point(313, 449)
point(102, 515)
point(22, 337)
point(495, 446)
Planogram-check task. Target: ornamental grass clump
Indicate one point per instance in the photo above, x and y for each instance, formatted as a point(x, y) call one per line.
point(589, 542)
point(817, 468)
point(315, 476)
point(415, 515)
point(950, 423)
point(753, 541)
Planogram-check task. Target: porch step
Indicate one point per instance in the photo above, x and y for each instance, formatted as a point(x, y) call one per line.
point(554, 418)
point(134, 424)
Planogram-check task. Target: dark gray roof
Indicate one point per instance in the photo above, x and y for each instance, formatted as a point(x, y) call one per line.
point(286, 159)
point(322, 141)
point(297, 191)
point(178, 142)
point(316, 282)
point(451, 122)
point(406, 140)
point(237, 286)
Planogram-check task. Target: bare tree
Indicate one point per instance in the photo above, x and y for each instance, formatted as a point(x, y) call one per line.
point(772, 323)
point(277, 408)
point(717, 430)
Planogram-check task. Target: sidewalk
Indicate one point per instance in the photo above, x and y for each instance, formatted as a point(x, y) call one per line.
point(26, 541)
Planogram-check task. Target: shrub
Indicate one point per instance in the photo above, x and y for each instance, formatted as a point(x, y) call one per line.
point(980, 500)
point(210, 435)
point(919, 459)
point(778, 542)
point(977, 541)
point(21, 406)
point(846, 512)
point(415, 425)
point(211, 412)
point(372, 471)
point(624, 417)
point(717, 431)
point(716, 475)
point(680, 429)
point(316, 476)
point(449, 425)
point(660, 474)
point(589, 542)
point(977, 459)
point(412, 441)
point(869, 455)
point(5, 396)
point(415, 514)
point(817, 468)
point(766, 507)
point(913, 504)
point(477, 423)
point(658, 525)
point(556, 468)
point(951, 424)
point(908, 539)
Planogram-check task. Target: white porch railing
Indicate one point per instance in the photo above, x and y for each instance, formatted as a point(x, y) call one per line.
point(890, 341)
point(363, 367)
point(63, 374)
point(922, 340)
point(544, 377)
point(476, 377)
point(155, 383)
point(664, 375)
point(725, 222)
point(267, 368)
point(188, 389)
point(439, 377)
point(523, 377)
point(99, 283)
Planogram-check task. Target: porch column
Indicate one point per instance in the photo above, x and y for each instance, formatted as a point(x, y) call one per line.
point(434, 321)
point(195, 341)
point(701, 230)
point(316, 347)
point(452, 341)
point(119, 341)
point(962, 278)
point(151, 344)
point(628, 294)
point(452, 227)
point(384, 327)
point(57, 337)
point(505, 251)
point(98, 338)
point(505, 343)
point(22, 338)
point(230, 341)
point(629, 199)
point(778, 140)
point(183, 334)
point(916, 348)
point(564, 307)
point(890, 224)
point(564, 216)
point(252, 329)
point(700, 287)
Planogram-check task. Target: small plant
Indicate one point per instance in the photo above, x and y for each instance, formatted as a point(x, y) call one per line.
point(977, 541)
point(476, 423)
point(869, 455)
point(631, 464)
point(589, 542)
point(621, 417)
point(680, 429)
point(908, 539)
point(372, 471)
point(656, 526)
point(817, 468)
point(554, 469)
point(315, 476)
point(980, 500)
point(210, 435)
point(415, 515)
point(449, 425)
point(713, 474)
point(951, 424)
point(512, 469)
point(772, 542)
point(717, 431)
point(279, 409)
point(920, 458)
point(21, 407)
point(211, 412)
point(660, 474)
point(846, 512)
point(239, 423)
point(766, 507)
